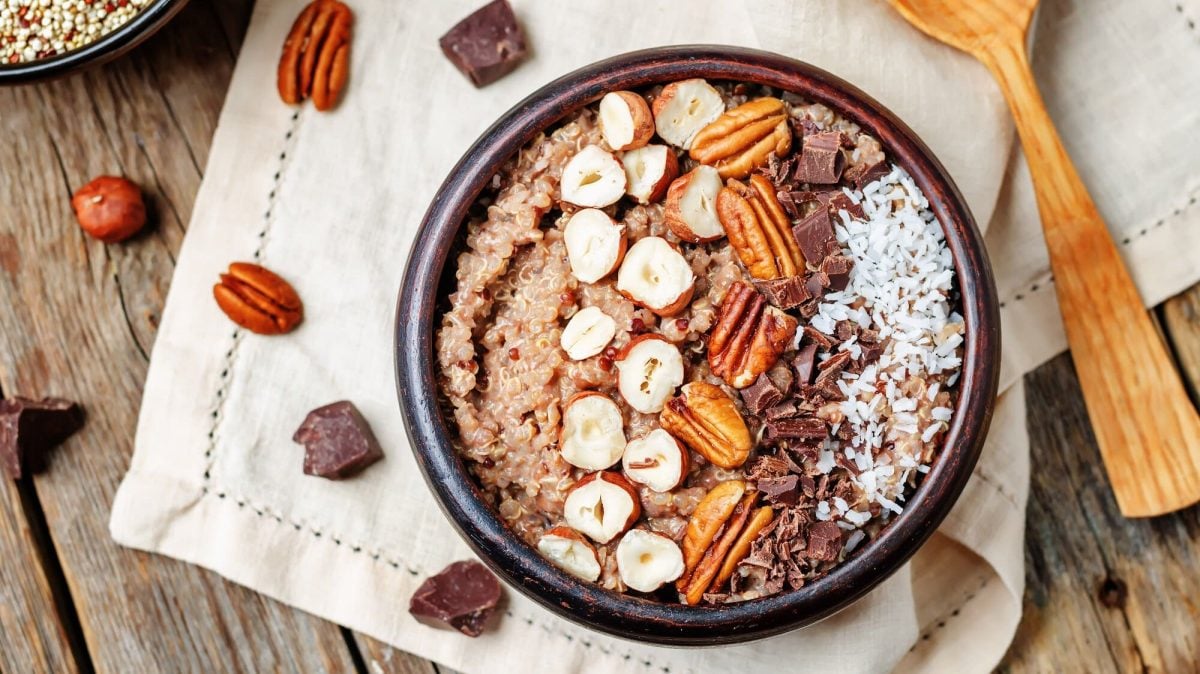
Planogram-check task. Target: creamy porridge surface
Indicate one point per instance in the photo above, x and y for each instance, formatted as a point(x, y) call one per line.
point(768, 251)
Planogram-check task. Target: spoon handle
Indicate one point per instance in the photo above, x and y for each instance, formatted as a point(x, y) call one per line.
point(1147, 429)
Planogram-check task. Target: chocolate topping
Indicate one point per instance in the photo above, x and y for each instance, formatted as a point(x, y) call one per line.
point(487, 45)
point(838, 201)
point(815, 236)
point(865, 174)
point(782, 490)
point(337, 441)
point(464, 595)
point(802, 428)
point(802, 364)
point(824, 542)
point(821, 159)
point(785, 293)
point(832, 366)
point(815, 336)
point(30, 428)
point(761, 394)
point(837, 269)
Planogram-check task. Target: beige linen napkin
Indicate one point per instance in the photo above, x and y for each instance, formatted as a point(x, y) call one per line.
point(331, 201)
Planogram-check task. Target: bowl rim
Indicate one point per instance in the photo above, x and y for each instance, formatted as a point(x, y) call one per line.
point(632, 617)
point(106, 48)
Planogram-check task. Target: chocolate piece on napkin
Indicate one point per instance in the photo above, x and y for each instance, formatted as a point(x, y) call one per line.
point(821, 159)
point(487, 45)
point(337, 441)
point(30, 428)
point(464, 595)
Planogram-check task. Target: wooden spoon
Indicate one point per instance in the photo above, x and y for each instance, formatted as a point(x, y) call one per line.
point(1148, 431)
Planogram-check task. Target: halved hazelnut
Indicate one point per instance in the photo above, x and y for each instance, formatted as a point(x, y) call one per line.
point(685, 107)
point(593, 432)
point(649, 171)
point(595, 244)
point(601, 506)
point(593, 178)
point(656, 276)
point(656, 460)
point(625, 120)
point(691, 209)
point(649, 369)
point(646, 561)
point(571, 552)
point(587, 333)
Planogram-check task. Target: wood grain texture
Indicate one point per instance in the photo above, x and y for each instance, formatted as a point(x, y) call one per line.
point(1147, 429)
point(380, 658)
point(1103, 593)
point(32, 633)
point(79, 320)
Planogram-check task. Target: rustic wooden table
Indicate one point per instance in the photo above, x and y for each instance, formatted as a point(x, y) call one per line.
point(77, 319)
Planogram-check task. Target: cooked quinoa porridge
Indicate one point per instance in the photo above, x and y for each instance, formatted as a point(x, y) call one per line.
point(703, 342)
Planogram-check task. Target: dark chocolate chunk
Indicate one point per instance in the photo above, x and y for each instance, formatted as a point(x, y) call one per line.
point(789, 202)
point(865, 174)
point(785, 293)
point(761, 394)
point(802, 364)
point(821, 159)
point(766, 467)
point(815, 236)
point(870, 352)
point(833, 365)
point(782, 377)
point(464, 595)
point(838, 201)
point(337, 441)
point(824, 542)
point(782, 490)
point(487, 45)
point(816, 283)
point(782, 411)
point(868, 336)
point(30, 428)
point(844, 330)
point(809, 309)
point(805, 127)
point(837, 269)
point(815, 336)
point(808, 486)
point(803, 428)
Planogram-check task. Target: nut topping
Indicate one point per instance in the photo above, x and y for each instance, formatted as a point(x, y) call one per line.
point(691, 207)
point(707, 420)
point(743, 138)
point(741, 547)
point(258, 300)
point(706, 522)
point(749, 336)
point(646, 560)
point(316, 55)
point(571, 552)
point(601, 506)
point(759, 230)
point(625, 120)
point(649, 369)
point(683, 108)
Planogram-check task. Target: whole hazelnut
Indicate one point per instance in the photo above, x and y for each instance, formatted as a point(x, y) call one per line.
point(109, 208)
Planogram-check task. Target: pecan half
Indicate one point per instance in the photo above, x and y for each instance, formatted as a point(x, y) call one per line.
point(744, 138)
point(759, 230)
point(316, 55)
point(258, 300)
point(707, 420)
point(705, 573)
point(706, 522)
point(749, 336)
point(741, 547)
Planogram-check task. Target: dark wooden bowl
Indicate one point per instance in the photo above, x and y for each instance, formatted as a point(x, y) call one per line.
point(110, 46)
point(428, 281)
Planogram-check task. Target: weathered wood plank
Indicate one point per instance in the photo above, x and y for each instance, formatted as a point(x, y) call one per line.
point(1182, 317)
point(32, 634)
point(79, 319)
point(381, 658)
point(1104, 593)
